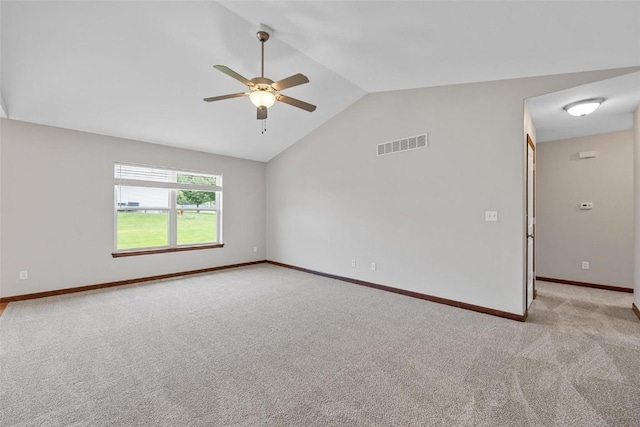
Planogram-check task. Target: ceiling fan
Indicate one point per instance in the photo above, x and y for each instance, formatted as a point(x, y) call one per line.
point(264, 92)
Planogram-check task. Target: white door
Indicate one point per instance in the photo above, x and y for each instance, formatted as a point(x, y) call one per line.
point(531, 222)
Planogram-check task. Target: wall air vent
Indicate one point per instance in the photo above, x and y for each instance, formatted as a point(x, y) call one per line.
point(422, 141)
point(403, 144)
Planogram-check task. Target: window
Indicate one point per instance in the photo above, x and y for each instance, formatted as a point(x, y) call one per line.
point(164, 210)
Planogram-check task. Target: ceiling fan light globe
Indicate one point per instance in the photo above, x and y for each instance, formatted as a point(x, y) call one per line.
point(262, 98)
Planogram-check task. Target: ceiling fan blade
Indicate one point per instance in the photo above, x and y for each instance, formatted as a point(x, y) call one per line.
point(229, 72)
point(221, 97)
point(296, 102)
point(262, 113)
point(295, 80)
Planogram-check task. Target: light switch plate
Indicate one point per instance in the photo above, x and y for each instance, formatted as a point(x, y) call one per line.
point(491, 216)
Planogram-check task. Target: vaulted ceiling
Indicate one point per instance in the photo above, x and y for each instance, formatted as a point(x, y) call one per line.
point(139, 70)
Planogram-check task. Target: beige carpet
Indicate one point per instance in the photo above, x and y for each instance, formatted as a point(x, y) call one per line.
point(269, 346)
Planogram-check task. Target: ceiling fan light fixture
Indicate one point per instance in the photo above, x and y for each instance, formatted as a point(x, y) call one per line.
point(262, 98)
point(584, 107)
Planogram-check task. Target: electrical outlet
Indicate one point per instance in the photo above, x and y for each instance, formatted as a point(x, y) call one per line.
point(585, 265)
point(353, 263)
point(491, 216)
point(24, 275)
point(373, 266)
point(255, 249)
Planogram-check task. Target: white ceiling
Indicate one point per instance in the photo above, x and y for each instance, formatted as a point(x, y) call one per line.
point(140, 69)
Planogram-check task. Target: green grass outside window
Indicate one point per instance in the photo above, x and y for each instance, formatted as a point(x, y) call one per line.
point(144, 230)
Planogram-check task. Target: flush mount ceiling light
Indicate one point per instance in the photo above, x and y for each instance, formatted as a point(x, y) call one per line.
point(584, 107)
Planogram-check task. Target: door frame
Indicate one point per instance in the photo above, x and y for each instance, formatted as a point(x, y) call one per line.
point(530, 144)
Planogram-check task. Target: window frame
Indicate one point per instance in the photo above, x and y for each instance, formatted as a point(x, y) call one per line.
point(172, 210)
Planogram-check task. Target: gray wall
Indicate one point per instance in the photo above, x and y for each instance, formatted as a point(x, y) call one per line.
point(57, 221)
point(418, 214)
point(3, 112)
point(603, 236)
point(636, 178)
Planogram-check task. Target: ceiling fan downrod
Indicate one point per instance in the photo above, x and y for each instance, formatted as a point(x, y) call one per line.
point(263, 36)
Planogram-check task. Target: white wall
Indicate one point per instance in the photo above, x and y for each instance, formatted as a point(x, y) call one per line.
point(603, 236)
point(636, 182)
point(56, 191)
point(418, 214)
